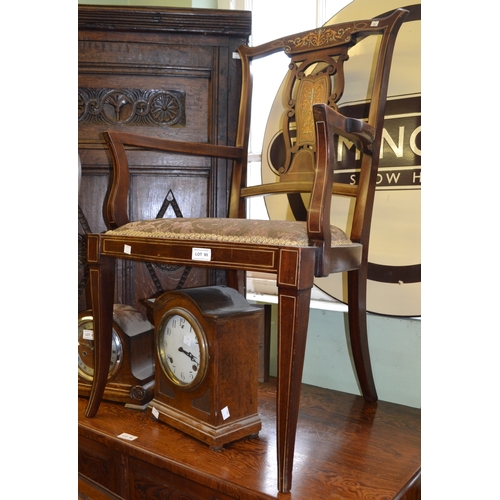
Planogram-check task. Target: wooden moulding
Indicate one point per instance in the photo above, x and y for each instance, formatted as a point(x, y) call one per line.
point(164, 19)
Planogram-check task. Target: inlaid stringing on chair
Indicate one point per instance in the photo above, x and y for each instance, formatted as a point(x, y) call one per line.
point(296, 251)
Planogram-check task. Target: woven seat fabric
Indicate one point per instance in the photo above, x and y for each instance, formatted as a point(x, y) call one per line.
point(260, 232)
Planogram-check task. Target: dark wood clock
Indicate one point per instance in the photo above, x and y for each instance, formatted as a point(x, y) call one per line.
point(131, 376)
point(207, 343)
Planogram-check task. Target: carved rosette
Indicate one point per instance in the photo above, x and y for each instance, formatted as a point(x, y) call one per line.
point(132, 107)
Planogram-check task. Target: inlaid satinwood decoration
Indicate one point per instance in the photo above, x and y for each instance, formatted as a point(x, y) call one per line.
point(319, 37)
point(311, 91)
point(310, 81)
point(132, 106)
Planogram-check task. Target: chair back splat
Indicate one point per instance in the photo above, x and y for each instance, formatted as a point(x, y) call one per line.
point(295, 251)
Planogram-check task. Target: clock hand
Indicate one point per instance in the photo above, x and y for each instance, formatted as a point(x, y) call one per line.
point(188, 354)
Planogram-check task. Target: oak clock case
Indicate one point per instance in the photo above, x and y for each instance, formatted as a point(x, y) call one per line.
point(206, 342)
point(131, 376)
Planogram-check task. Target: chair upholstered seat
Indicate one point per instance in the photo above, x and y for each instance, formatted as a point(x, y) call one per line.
point(255, 232)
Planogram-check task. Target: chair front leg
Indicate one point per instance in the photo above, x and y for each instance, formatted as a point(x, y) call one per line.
point(293, 318)
point(102, 286)
point(295, 281)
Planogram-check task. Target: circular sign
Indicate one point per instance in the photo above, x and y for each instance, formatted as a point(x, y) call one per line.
point(394, 255)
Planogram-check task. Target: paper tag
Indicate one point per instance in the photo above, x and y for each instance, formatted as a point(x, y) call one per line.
point(127, 249)
point(88, 334)
point(155, 412)
point(225, 413)
point(127, 437)
point(201, 254)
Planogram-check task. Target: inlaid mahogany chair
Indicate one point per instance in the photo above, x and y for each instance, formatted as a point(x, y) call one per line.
point(295, 251)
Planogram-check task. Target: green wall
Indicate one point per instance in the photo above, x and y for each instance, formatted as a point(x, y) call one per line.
point(394, 351)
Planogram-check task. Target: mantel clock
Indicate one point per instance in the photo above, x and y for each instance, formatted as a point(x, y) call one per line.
point(207, 343)
point(131, 371)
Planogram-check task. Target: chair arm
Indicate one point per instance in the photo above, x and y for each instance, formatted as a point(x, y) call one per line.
point(329, 121)
point(357, 131)
point(167, 145)
point(116, 203)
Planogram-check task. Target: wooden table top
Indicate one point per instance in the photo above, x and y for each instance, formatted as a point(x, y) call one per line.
point(344, 448)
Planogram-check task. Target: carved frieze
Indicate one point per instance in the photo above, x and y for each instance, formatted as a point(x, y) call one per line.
point(132, 107)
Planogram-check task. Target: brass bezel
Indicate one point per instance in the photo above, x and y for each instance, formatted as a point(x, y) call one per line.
point(202, 342)
point(119, 349)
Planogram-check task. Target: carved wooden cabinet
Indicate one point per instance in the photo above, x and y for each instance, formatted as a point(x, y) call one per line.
point(162, 72)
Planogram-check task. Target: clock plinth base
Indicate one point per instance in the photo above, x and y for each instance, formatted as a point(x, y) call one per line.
point(215, 436)
point(131, 406)
point(136, 397)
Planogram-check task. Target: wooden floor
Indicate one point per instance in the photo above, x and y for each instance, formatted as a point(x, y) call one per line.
point(344, 449)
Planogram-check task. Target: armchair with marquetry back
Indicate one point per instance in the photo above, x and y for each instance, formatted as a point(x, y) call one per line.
point(294, 251)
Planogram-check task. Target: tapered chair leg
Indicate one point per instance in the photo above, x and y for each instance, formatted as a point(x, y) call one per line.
point(102, 280)
point(293, 317)
point(358, 333)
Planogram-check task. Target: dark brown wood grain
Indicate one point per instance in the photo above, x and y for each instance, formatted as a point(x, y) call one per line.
point(345, 449)
point(90, 490)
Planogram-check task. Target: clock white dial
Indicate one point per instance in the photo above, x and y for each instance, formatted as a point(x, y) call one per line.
point(182, 349)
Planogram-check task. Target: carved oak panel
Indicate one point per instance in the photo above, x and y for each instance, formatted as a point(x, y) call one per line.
point(132, 106)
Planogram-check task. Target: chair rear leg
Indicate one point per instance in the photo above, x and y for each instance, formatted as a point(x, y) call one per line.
point(102, 280)
point(358, 333)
